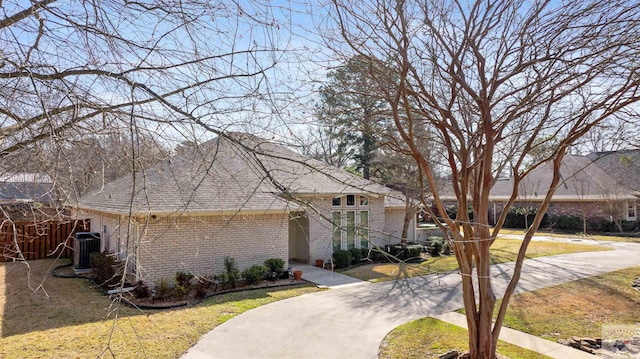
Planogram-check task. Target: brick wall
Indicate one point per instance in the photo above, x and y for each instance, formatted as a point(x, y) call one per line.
point(393, 223)
point(320, 241)
point(200, 244)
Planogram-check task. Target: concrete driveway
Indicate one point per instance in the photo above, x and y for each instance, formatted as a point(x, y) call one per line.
point(350, 321)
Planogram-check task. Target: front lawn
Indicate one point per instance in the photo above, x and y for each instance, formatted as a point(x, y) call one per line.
point(579, 308)
point(575, 309)
point(429, 338)
point(503, 250)
point(633, 238)
point(66, 318)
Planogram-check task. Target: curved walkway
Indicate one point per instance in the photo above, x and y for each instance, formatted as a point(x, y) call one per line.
point(350, 321)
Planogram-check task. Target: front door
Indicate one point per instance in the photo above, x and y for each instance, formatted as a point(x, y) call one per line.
point(299, 237)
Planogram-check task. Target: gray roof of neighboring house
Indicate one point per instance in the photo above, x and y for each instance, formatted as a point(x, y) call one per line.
point(224, 176)
point(623, 166)
point(26, 187)
point(580, 179)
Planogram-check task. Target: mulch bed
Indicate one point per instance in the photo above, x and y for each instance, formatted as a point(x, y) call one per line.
point(172, 299)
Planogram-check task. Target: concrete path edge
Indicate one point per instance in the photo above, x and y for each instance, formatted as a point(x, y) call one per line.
point(524, 340)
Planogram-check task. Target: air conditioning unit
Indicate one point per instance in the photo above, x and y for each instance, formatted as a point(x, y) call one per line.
point(85, 244)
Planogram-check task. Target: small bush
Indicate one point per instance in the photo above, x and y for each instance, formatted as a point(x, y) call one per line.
point(183, 279)
point(181, 290)
point(413, 251)
point(403, 251)
point(201, 288)
point(630, 226)
point(231, 274)
point(274, 265)
point(435, 244)
point(104, 268)
point(447, 249)
point(342, 258)
point(356, 255)
point(141, 290)
point(568, 223)
point(377, 254)
point(162, 289)
point(254, 274)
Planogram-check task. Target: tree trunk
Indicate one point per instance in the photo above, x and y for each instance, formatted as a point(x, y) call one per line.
point(409, 213)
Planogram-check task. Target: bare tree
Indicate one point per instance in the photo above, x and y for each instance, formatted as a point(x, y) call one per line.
point(491, 78)
point(127, 79)
point(175, 64)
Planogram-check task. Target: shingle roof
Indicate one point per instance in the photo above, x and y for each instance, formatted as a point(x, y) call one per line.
point(581, 179)
point(242, 173)
point(26, 187)
point(623, 166)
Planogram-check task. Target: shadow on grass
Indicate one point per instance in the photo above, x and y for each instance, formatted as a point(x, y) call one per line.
point(34, 300)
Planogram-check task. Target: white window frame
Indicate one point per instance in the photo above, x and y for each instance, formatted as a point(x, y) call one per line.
point(361, 204)
point(631, 210)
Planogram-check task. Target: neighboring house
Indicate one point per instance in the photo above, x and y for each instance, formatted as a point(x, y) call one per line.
point(26, 188)
point(600, 187)
point(249, 199)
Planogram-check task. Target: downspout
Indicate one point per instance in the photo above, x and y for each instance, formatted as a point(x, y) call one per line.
point(136, 246)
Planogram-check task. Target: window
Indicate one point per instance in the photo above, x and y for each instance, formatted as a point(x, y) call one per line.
point(336, 227)
point(351, 229)
point(350, 222)
point(631, 211)
point(363, 229)
point(351, 200)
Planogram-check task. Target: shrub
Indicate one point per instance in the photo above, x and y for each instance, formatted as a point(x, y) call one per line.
point(231, 276)
point(394, 250)
point(183, 279)
point(342, 258)
point(201, 288)
point(630, 226)
point(452, 211)
point(435, 244)
point(254, 274)
point(404, 251)
point(181, 290)
point(104, 268)
point(356, 255)
point(275, 265)
point(162, 289)
point(413, 251)
point(374, 254)
point(516, 217)
point(447, 249)
point(569, 223)
point(141, 290)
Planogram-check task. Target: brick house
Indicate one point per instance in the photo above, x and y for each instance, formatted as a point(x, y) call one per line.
point(599, 187)
point(241, 197)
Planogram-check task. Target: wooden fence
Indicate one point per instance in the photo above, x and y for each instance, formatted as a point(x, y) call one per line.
point(39, 240)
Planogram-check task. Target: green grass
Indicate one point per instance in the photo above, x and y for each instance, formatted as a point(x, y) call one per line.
point(429, 337)
point(595, 237)
point(579, 308)
point(72, 320)
point(502, 251)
